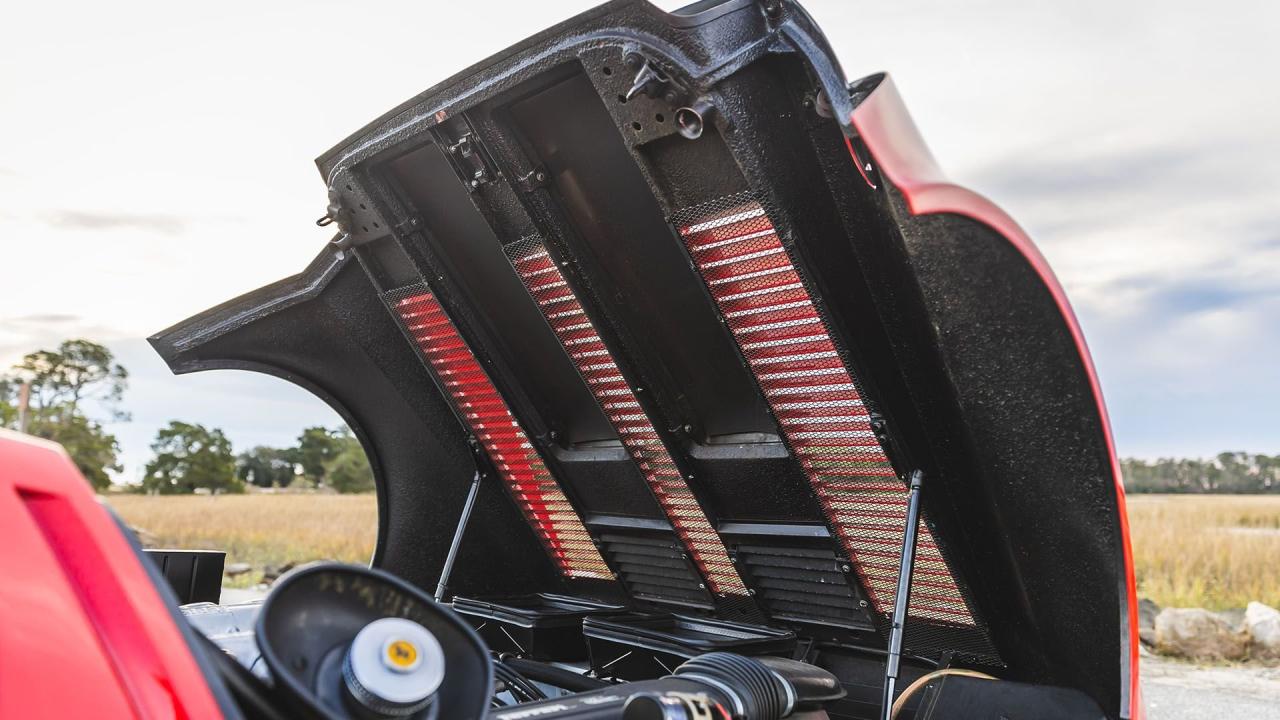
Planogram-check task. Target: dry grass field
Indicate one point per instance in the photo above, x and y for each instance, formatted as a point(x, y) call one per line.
point(1212, 551)
point(1216, 552)
point(260, 530)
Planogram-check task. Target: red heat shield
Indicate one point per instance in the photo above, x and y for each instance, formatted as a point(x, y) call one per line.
point(767, 307)
point(479, 404)
point(571, 325)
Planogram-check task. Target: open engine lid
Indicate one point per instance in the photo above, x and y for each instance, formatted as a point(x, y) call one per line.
point(695, 305)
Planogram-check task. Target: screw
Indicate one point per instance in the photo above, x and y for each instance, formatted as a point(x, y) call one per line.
point(845, 567)
point(542, 177)
point(702, 586)
point(633, 60)
point(862, 603)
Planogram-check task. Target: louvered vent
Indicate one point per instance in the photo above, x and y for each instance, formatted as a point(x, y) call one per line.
point(800, 584)
point(767, 307)
point(655, 569)
point(478, 402)
point(571, 325)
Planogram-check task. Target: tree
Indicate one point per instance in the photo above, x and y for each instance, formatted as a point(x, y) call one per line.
point(349, 472)
point(317, 447)
point(8, 402)
point(1228, 472)
point(92, 449)
point(62, 381)
point(267, 466)
point(191, 456)
point(77, 371)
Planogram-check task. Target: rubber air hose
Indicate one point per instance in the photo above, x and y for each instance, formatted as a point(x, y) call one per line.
point(755, 691)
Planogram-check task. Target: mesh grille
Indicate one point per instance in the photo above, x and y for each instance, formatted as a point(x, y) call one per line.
point(477, 401)
point(569, 321)
point(766, 306)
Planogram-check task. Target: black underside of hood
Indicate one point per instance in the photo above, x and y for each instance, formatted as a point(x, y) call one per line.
point(694, 371)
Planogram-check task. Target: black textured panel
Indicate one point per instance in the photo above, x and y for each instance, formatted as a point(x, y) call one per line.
point(801, 584)
point(655, 569)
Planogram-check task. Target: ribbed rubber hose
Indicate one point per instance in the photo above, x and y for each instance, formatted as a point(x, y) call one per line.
point(761, 693)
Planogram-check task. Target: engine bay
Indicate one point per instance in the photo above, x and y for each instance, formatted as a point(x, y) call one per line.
point(334, 641)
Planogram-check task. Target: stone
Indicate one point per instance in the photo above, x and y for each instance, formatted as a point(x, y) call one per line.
point(146, 538)
point(236, 569)
point(1262, 622)
point(1147, 612)
point(272, 573)
point(1233, 617)
point(1198, 634)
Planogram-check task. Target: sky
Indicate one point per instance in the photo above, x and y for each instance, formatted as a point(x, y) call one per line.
point(157, 159)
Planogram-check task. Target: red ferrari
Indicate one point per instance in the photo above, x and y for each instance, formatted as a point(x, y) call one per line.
point(692, 389)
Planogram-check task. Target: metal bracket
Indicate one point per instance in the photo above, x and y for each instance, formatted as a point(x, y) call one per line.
point(470, 160)
point(352, 210)
point(650, 80)
point(534, 179)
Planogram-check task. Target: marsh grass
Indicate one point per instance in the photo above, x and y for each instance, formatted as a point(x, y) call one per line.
point(1211, 551)
point(261, 530)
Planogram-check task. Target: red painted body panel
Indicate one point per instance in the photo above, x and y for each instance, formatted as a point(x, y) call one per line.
point(83, 632)
point(901, 156)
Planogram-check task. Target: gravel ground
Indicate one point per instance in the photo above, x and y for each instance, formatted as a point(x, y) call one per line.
point(1175, 690)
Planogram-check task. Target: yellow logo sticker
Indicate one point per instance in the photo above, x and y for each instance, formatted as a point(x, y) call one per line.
point(402, 653)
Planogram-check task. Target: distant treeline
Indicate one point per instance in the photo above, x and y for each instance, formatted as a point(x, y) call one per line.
point(1229, 472)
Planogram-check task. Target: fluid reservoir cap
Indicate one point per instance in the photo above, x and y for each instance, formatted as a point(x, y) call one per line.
point(394, 667)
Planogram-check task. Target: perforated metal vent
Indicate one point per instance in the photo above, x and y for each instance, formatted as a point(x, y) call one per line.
point(766, 305)
point(484, 411)
point(571, 325)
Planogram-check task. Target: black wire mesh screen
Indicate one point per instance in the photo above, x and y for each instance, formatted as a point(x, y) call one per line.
point(482, 408)
point(766, 304)
point(569, 321)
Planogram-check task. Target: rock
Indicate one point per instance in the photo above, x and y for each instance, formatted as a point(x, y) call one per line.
point(1262, 622)
point(272, 573)
point(1233, 617)
point(145, 538)
point(1198, 634)
point(1147, 612)
point(236, 569)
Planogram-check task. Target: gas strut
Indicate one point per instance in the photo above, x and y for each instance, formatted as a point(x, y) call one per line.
point(904, 591)
point(443, 585)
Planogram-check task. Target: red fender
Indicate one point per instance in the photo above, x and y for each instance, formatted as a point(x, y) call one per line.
point(84, 632)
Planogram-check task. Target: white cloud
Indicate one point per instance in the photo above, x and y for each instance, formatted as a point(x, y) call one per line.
point(158, 161)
